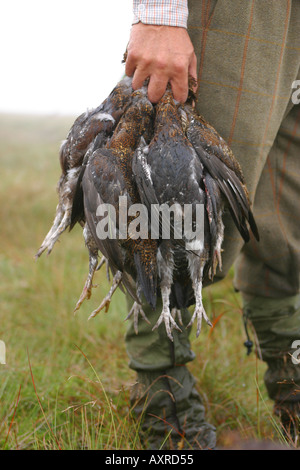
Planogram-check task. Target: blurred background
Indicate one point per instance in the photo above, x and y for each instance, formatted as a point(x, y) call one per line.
point(61, 56)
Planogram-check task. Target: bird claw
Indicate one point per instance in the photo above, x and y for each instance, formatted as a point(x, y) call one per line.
point(169, 322)
point(137, 310)
point(101, 263)
point(199, 314)
point(107, 299)
point(104, 304)
point(86, 294)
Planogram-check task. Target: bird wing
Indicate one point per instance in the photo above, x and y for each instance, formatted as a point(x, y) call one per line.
point(211, 140)
point(77, 214)
point(102, 183)
point(229, 184)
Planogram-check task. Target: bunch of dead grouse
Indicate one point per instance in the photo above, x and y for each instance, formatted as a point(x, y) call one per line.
point(156, 156)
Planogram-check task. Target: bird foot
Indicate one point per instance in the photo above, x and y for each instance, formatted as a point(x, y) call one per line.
point(175, 312)
point(85, 294)
point(87, 290)
point(169, 322)
point(199, 314)
point(219, 258)
point(60, 224)
point(47, 244)
point(217, 261)
point(101, 263)
point(107, 299)
point(135, 311)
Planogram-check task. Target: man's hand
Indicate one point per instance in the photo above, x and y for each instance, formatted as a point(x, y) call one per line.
point(163, 54)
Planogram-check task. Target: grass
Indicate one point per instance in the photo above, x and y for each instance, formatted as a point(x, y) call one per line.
point(66, 382)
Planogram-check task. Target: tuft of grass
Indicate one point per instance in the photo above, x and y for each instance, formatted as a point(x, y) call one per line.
point(66, 384)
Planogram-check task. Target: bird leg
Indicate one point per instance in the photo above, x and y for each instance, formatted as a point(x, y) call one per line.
point(106, 301)
point(199, 312)
point(218, 247)
point(93, 261)
point(165, 263)
point(60, 223)
point(176, 312)
point(102, 262)
point(135, 311)
point(196, 266)
point(87, 290)
point(107, 271)
point(166, 315)
point(217, 261)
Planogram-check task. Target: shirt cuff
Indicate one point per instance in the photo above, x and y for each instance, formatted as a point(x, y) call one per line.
point(161, 12)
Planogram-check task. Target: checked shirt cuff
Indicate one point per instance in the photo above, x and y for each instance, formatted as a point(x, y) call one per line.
point(161, 12)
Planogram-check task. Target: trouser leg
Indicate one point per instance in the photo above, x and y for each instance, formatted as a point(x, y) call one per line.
point(277, 327)
point(271, 267)
point(268, 272)
point(246, 67)
point(165, 397)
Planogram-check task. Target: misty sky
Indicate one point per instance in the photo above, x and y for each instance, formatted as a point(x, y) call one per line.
point(61, 56)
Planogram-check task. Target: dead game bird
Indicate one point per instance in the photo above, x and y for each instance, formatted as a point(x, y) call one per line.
point(180, 167)
point(97, 123)
point(169, 172)
point(107, 177)
point(90, 131)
